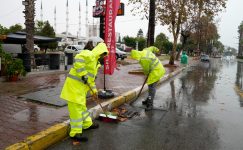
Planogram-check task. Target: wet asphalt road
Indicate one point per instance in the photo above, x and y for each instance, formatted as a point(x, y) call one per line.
point(203, 112)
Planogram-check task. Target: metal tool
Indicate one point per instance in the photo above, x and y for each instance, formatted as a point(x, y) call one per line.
point(142, 87)
point(96, 98)
point(103, 117)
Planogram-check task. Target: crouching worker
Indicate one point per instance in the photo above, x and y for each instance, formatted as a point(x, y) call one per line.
point(77, 84)
point(153, 68)
point(153, 49)
point(184, 59)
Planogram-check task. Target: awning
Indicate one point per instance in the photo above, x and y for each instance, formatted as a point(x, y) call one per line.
point(20, 38)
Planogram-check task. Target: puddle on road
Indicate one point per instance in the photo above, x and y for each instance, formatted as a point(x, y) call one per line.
point(37, 114)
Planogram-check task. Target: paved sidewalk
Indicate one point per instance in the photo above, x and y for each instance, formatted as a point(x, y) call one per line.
point(20, 118)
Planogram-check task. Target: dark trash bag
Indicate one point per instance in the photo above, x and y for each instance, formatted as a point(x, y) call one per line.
point(54, 61)
point(105, 94)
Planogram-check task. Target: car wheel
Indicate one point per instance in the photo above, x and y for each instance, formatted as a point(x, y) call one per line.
point(117, 56)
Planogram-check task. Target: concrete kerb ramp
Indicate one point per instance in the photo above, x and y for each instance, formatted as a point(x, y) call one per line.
point(57, 132)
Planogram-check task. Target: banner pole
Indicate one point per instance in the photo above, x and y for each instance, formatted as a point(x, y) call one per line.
point(102, 35)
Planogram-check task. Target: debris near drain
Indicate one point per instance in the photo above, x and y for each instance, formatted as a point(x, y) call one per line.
point(125, 112)
point(75, 143)
point(138, 71)
point(108, 117)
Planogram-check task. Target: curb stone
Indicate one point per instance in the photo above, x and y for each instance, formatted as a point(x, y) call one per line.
point(59, 131)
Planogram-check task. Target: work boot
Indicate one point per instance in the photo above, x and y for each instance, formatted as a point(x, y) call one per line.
point(80, 137)
point(145, 102)
point(149, 107)
point(149, 104)
point(93, 126)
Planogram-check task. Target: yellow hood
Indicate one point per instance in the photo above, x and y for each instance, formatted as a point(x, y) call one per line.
point(153, 49)
point(100, 49)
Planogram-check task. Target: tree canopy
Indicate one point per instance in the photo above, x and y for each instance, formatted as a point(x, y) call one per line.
point(131, 42)
point(45, 29)
point(11, 29)
point(162, 42)
point(240, 32)
point(179, 13)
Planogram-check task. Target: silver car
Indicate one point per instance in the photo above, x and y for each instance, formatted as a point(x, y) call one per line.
point(73, 49)
point(204, 57)
point(120, 54)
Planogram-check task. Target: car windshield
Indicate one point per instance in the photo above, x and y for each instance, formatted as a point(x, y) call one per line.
point(204, 55)
point(120, 50)
point(79, 47)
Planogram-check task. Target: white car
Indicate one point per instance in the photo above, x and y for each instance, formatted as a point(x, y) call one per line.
point(36, 48)
point(73, 49)
point(120, 54)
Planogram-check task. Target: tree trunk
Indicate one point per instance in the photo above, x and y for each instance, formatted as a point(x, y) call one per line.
point(151, 25)
point(240, 43)
point(29, 23)
point(185, 36)
point(172, 56)
point(200, 9)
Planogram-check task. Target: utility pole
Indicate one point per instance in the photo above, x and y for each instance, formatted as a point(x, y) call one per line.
point(55, 19)
point(41, 14)
point(79, 22)
point(86, 19)
point(67, 19)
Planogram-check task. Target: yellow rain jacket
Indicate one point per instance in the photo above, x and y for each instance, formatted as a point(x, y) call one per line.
point(150, 63)
point(86, 64)
point(153, 49)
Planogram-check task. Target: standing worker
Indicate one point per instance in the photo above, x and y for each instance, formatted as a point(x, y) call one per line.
point(184, 59)
point(153, 68)
point(76, 86)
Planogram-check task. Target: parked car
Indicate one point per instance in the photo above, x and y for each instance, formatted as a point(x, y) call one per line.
point(120, 54)
point(73, 49)
point(204, 57)
point(36, 48)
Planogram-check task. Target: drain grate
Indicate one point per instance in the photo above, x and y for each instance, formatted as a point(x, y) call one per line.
point(127, 111)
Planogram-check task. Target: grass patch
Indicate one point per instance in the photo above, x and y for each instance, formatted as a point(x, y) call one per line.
point(164, 57)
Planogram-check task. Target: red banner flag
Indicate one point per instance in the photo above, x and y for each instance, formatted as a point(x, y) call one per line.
point(112, 7)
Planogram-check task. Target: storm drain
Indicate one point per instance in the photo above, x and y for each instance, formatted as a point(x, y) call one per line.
point(127, 111)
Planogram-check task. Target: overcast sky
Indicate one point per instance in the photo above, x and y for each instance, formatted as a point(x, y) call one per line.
point(11, 13)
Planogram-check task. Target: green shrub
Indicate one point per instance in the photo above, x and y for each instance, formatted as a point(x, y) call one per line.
point(15, 67)
point(240, 57)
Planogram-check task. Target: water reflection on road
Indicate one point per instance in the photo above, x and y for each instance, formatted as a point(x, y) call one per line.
point(209, 94)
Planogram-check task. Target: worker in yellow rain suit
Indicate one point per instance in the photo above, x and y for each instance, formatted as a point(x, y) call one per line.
point(153, 68)
point(76, 86)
